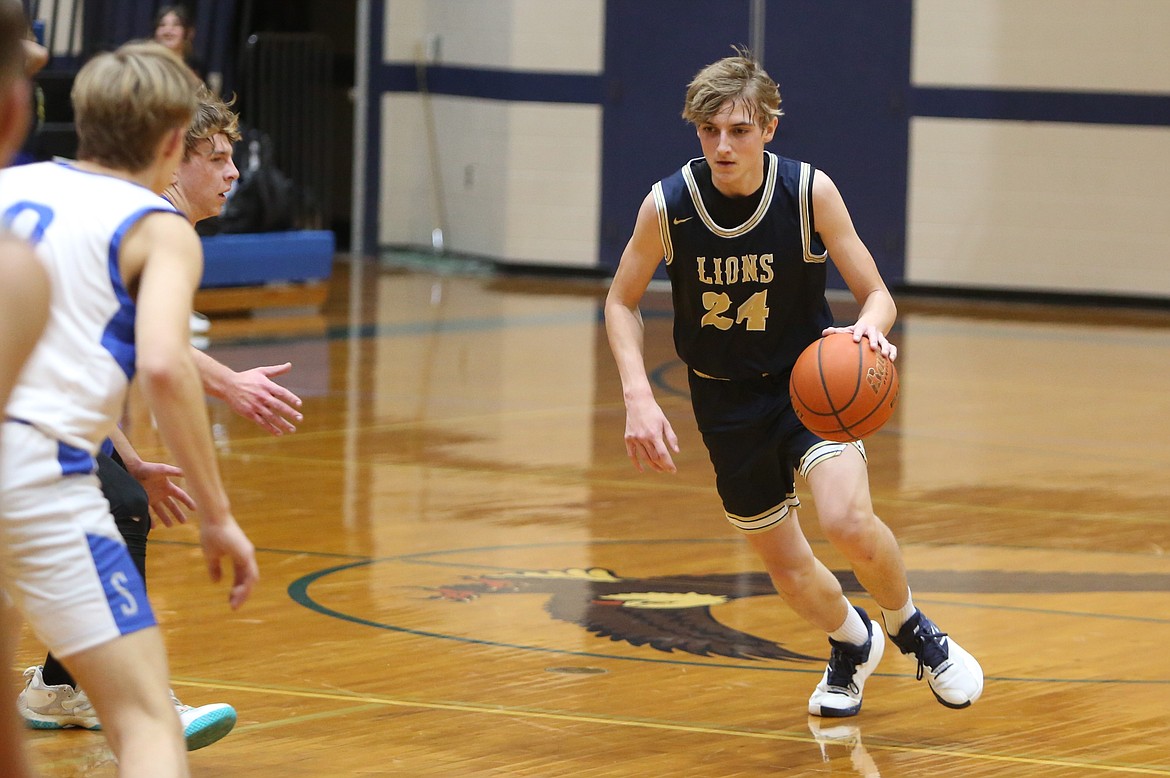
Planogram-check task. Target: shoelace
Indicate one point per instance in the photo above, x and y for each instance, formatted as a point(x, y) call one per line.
point(843, 664)
point(178, 705)
point(930, 651)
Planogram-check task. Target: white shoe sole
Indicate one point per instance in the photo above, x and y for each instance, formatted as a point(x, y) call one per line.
point(207, 724)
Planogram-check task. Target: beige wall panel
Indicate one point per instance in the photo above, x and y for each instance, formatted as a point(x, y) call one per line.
point(519, 181)
point(1091, 45)
point(1037, 206)
point(532, 35)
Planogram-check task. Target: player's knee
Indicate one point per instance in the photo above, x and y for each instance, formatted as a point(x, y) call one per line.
point(792, 580)
point(792, 569)
point(851, 532)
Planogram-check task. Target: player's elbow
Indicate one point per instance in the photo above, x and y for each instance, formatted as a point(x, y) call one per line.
point(617, 304)
point(611, 307)
point(160, 371)
point(621, 318)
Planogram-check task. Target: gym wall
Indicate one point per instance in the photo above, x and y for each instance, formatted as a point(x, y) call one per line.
point(1012, 145)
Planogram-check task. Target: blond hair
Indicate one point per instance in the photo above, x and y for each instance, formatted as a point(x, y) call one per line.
point(125, 101)
point(738, 79)
point(213, 116)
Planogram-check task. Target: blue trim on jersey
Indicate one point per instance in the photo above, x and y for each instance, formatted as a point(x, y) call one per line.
point(74, 461)
point(44, 219)
point(124, 587)
point(118, 337)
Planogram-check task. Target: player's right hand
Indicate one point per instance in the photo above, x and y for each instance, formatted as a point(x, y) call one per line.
point(649, 437)
point(225, 538)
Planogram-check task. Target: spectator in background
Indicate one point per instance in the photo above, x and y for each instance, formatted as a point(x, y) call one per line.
point(175, 29)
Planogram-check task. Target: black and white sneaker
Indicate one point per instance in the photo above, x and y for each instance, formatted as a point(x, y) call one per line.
point(953, 674)
point(839, 693)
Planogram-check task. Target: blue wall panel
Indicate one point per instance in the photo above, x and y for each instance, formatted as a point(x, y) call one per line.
point(653, 48)
point(844, 74)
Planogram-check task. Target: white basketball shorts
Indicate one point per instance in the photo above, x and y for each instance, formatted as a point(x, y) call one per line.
point(62, 561)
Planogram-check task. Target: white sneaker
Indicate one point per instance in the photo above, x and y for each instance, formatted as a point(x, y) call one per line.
point(839, 692)
point(61, 706)
point(955, 678)
point(206, 724)
point(54, 707)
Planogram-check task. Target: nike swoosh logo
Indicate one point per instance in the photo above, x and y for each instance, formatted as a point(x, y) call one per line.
point(680, 221)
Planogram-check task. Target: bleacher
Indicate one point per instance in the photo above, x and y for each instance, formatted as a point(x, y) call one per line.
point(280, 80)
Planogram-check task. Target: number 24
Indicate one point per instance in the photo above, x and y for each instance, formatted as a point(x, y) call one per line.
point(753, 311)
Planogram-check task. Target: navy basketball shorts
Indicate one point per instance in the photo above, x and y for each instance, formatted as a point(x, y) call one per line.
point(756, 444)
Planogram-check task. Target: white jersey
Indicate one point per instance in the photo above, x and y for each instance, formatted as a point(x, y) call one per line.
point(74, 385)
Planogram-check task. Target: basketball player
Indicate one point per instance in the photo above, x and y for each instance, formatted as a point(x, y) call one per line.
point(24, 305)
point(51, 699)
point(124, 266)
point(745, 235)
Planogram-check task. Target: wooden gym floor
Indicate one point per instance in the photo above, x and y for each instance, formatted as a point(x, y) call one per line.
point(456, 514)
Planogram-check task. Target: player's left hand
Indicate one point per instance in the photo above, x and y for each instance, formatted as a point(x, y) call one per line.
point(225, 539)
point(877, 338)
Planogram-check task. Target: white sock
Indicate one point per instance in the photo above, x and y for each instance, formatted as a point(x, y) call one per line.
point(854, 630)
point(896, 618)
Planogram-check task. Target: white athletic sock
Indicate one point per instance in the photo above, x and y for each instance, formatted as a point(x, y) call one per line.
point(854, 630)
point(896, 618)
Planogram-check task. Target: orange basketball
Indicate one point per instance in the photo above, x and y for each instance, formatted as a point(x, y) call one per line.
point(843, 390)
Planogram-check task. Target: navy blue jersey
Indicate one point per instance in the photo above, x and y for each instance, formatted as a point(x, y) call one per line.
point(749, 298)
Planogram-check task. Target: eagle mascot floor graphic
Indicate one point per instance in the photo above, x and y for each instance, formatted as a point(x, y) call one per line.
point(673, 613)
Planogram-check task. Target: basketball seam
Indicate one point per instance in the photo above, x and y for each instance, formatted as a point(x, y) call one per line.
point(881, 402)
point(835, 410)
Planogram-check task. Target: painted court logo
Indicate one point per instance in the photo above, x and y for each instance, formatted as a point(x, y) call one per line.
point(673, 613)
point(669, 613)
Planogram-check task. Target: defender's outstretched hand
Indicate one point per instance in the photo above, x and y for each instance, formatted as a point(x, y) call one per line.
point(255, 396)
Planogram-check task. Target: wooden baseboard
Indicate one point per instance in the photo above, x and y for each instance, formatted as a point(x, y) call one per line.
point(235, 299)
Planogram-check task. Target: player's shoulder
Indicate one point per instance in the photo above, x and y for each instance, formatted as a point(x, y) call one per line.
point(679, 175)
point(677, 185)
point(18, 174)
point(790, 167)
point(66, 181)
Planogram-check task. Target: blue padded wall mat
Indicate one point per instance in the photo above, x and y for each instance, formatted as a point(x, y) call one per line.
point(255, 259)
